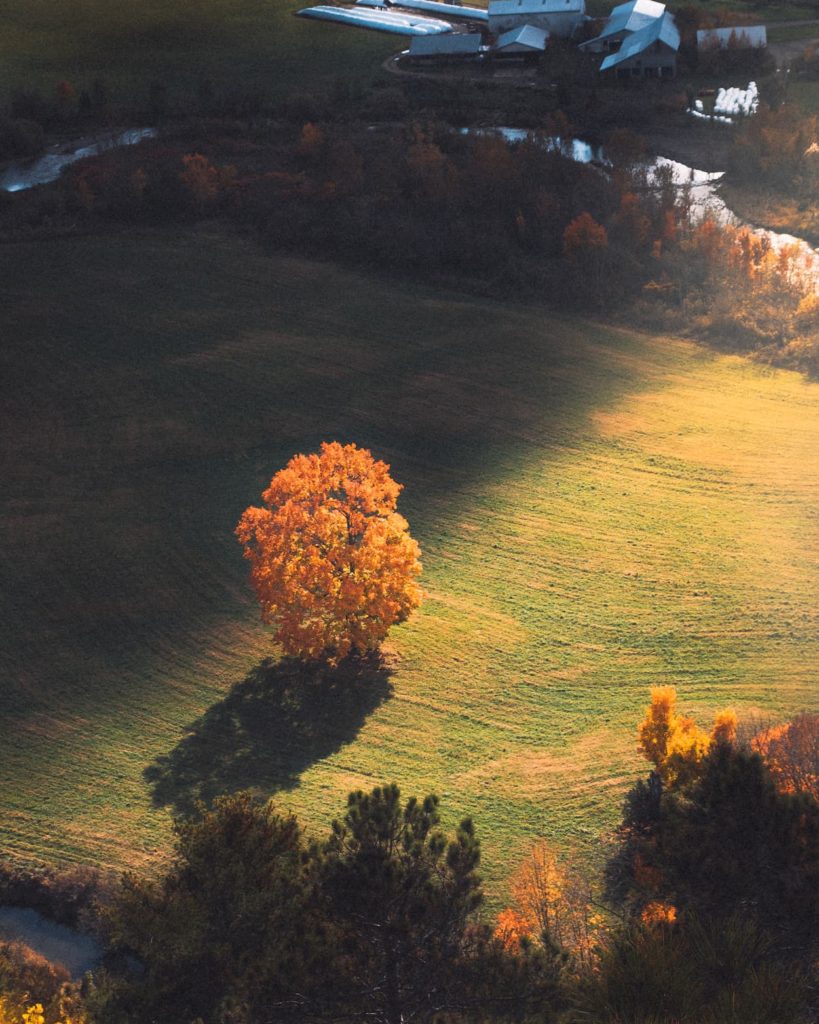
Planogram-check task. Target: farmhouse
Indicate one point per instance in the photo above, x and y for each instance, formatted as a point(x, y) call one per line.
point(742, 36)
point(624, 21)
point(557, 17)
point(651, 52)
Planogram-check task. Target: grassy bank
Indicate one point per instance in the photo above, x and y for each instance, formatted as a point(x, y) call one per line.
point(599, 511)
point(768, 209)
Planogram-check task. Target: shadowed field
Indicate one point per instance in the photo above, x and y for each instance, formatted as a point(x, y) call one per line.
point(599, 511)
point(236, 45)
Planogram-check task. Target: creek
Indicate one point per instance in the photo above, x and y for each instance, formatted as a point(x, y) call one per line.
point(59, 944)
point(40, 170)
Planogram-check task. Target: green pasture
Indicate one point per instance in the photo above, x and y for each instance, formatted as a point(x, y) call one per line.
point(599, 511)
point(793, 33)
point(236, 45)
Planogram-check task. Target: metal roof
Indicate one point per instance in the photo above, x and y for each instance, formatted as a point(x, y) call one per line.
point(628, 17)
point(505, 7)
point(459, 11)
point(462, 43)
point(632, 16)
point(662, 30)
point(382, 21)
point(528, 36)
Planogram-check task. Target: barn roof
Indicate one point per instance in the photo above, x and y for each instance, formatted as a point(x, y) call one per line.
point(529, 37)
point(632, 16)
point(383, 21)
point(629, 17)
point(661, 30)
point(459, 11)
point(506, 7)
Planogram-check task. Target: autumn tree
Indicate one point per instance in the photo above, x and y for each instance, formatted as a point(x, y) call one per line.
point(404, 899)
point(583, 236)
point(730, 841)
point(791, 752)
point(332, 562)
point(675, 744)
point(551, 906)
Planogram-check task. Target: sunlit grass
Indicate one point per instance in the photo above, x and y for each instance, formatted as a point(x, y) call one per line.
point(599, 511)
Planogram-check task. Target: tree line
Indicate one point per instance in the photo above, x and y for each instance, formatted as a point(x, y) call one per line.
point(473, 211)
point(707, 911)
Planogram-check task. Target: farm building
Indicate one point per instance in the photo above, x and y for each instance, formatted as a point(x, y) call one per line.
point(453, 46)
point(459, 12)
point(404, 24)
point(742, 36)
point(557, 17)
point(624, 21)
point(651, 52)
point(526, 41)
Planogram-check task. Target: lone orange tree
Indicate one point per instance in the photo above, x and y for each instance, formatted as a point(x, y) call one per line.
point(332, 562)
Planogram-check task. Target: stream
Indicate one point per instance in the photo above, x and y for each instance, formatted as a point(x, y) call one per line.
point(703, 192)
point(78, 953)
point(702, 186)
point(42, 169)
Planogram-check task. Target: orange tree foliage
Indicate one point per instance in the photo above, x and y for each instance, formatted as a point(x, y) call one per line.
point(674, 744)
point(583, 235)
point(791, 752)
point(552, 905)
point(332, 562)
point(657, 912)
point(513, 929)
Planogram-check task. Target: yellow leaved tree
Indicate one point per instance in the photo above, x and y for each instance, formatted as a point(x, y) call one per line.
point(33, 1014)
point(332, 562)
point(676, 745)
point(551, 904)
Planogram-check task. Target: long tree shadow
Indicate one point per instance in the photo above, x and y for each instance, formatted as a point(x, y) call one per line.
point(275, 723)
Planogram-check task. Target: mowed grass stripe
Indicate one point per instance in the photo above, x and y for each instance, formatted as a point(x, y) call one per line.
point(599, 511)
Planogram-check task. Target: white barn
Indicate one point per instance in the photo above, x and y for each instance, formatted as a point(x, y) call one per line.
point(557, 17)
point(624, 20)
point(651, 52)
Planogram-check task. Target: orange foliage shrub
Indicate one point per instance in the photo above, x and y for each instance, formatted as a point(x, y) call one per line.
point(551, 903)
point(512, 929)
point(725, 727)
point(791, 752)
point(311, 140)
point(332, 562)
point(584, 235)
point(203, 180)
point(657, 912)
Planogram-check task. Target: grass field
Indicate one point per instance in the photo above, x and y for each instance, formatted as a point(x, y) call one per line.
point(235, 44)
point(248, 45)
point(599, 511)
